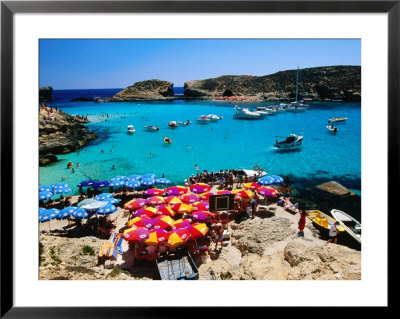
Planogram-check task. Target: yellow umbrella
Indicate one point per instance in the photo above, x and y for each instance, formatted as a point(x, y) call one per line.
point(178, 237)
point(131, 201)
point(182, 208)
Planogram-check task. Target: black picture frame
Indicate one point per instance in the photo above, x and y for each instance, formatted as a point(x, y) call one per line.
point(9, 8)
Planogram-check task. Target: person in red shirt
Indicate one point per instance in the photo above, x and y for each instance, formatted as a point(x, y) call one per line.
point(302, 222)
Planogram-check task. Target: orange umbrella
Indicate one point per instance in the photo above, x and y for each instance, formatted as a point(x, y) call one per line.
point(172, 200)
point(243, 193)
point(251, 185)
point(178, 237)
point(197, 230)
point(165, 210)
point(163, 223)
point(182, 208)
point(157, 236)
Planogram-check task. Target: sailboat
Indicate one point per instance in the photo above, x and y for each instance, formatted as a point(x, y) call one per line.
point(297, 106)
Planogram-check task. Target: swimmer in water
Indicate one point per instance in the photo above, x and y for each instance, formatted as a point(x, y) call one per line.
point(190, 146)
point(73, 170)
point(113, 167)
point(63, 178)
point(150, 154)
point(102, 151)
point(111, 151)
point(77, 164)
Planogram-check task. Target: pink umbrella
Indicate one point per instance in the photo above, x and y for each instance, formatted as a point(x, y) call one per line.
point(198, 206)
point(199, 188)
point(267, 191)
point(165, 210)
point(154, 192)
point(146, 212)
point(155, 200)
point(176, 190)
point(136, 204)
point(202, 215)
point(136, 234)
point(223, 192)
point(205, 196)
point(190, 198)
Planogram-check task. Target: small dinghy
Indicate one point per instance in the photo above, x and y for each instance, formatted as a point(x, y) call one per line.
point(332, 129)
point(131, 129)
point(151, 128)
point(353, 227)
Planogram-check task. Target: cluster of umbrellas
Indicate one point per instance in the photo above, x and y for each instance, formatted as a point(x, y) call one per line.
point(48, 191)
point(131, 182)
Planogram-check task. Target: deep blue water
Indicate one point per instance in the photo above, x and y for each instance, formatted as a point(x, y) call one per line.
point(226, 144)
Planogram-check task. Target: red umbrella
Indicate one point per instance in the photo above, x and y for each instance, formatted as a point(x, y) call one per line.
point(205, 196)
point(148, 212)
point(157, 236)
point(136, 204)
point(251, 185)
point(198, 206)
point(142, 222)
point(267, 191)
point(199, 188)
point(176, 190)
point(178, 237)
point(136, 234)
point(165, 210)
point(223, 192)
point(155, 200)
point(190, 198)
point(181, 223)
point(163, 223)
point(202, 215)
point(197, 230)
point(154, 192)
point(182, 208)
point(172, 200)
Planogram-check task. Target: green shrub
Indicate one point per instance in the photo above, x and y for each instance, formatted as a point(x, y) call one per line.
point(41, 248)
point(87, 250)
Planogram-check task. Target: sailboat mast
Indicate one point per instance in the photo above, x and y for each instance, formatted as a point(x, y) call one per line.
point(297, 83)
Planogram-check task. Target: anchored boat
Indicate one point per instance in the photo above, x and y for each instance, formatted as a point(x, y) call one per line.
point(151, 128)
point(322, 220)
point(292, 141)
point(352, 226)
point(131, 129)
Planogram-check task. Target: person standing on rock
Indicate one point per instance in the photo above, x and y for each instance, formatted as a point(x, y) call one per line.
point(302, 223)
point(333, 231)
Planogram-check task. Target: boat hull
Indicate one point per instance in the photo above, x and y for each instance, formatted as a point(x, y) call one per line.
point(322, 220)
point(342, 218)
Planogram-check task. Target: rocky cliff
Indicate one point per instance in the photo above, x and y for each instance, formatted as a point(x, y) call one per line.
point(332, 82)
point(45, 93)
point(145, 90)
point(60, 133)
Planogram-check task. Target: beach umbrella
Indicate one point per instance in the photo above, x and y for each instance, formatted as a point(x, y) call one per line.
point(104, 196)
point(202, 215)
point(91, 205)
point(147, 181)
point(46, 215)
point(45, 195)
point(136, 234)
point(180, 223)
point(135, 204)
point(107, 209)
point(267, 191)
point(197, 230)
point(199, 206)
point(155, 200)
point(251, 185)
point(190, 198)
point(163, 181)
point(152, 176)
point(45, 188)
point(154, 192)
point(66, 212)
point(86, 183)
point(99, 184)
point(176, 190)
point(80, 213)
point(270, 179)
point(205, 196)
point(163, 223)
point(178, 237)
point(134, 177)
point(199, 188)
point(182, 208)
point(223, 192)
point(111, 200)
point(148, 212)
point(241, 193)
point(117, 183)
point(61, 188)
point(172, 200)
point(132, 184)
point(165, 210)
point(157, 236)
point(118, 178)
point(142, 222)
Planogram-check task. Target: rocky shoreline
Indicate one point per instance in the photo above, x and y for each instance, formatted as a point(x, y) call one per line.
point(60, 133)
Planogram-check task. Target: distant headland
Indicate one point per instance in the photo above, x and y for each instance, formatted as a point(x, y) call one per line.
point(315, 84)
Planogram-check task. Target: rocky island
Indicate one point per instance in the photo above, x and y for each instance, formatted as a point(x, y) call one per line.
point(320, 83)
point(60, 133)
point(145, 90)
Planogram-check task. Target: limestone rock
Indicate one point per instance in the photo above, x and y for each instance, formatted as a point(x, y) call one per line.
point(146, 90)
point(334, 188)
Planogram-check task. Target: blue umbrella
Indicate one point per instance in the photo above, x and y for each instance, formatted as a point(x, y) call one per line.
point(111, 200)
point(132, 184)
point(42, 210)
point(163, 181)
point(153, 176)
point(91, 205)
point(270, 179)
point(45, 195)
point(134, 177)
point(80, 213)
point(45, 188)
point(61, 188)
point(107, 209)
point(103, 196)
point(118, 178)
point(147, 182)
point(47, 215)
point(86, 183)
point(66, 212)
point(117, 183)
point(99, 184)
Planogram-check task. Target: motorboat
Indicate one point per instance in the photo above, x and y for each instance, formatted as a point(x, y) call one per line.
point(322, 220)
point(184, 123)
point(203, 119)
point(337, 119)
point(167, 140)
point(352, 226)
point(131, 129)
point(292, 141)
point(246, 114)
point(152, 128)
point(332, 128)
point(172, 124)
point(213, 117)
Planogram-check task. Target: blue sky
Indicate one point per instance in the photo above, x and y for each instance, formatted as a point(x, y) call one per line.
point(83, 64)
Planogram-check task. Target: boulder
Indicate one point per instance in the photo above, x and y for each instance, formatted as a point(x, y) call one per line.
point(334, 188)
point(45, 93)
point(145, 90)
point(47, 159)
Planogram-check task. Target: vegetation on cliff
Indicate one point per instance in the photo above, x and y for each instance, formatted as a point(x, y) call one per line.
point(145, 90)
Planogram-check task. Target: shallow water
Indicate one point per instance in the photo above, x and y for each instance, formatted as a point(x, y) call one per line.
point(228, 143)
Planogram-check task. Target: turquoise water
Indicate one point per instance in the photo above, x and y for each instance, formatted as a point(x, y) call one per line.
point(226, 144)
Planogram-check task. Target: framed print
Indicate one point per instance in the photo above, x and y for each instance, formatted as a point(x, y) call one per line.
point(197, 146)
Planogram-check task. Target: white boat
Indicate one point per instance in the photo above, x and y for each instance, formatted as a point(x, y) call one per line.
point(292, 141)
point(172, 124)
point(213, 117)
point(337, 119)
point(332, 129)
point(352, 226)
point(297, 106)
point(151, 128)
point(184, 123)
point(131, 129)
point(244, 113)
point(203, 119)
